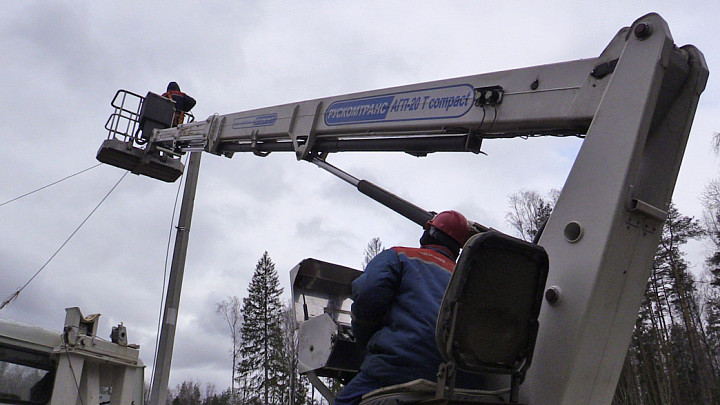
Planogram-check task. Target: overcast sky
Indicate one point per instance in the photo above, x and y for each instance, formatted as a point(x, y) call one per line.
point(63, 61)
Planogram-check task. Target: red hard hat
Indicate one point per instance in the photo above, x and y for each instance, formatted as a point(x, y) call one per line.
point(453, 223)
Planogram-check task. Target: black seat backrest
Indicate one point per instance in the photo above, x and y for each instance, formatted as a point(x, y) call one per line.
point(488, 318)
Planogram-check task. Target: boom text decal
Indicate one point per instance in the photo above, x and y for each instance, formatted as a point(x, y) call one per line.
point(440, 102)
point(264, 120)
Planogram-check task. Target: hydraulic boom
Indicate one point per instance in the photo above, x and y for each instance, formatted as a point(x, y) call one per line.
point(634, 105)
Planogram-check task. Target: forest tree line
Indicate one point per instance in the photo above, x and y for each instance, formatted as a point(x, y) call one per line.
point(674, 354)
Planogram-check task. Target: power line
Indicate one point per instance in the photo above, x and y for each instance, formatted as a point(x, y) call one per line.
point(51, 184)
point(16, 293)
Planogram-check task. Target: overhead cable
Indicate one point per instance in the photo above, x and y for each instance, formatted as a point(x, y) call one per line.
point(16, 293)
point(51, 184)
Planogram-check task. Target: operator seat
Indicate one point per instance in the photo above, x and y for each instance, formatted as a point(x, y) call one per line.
point(487, 323)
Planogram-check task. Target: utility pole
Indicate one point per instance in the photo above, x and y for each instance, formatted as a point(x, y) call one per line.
point(161, 372)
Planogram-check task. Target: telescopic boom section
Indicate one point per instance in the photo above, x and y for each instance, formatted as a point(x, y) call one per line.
point(451, 115)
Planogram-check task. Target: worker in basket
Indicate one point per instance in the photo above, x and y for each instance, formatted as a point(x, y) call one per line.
point(395, 308)
point(183, 102)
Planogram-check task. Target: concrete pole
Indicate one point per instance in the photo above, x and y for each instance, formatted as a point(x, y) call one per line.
point(161, 373)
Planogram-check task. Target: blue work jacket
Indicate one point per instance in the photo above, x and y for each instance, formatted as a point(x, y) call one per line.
point(395, 308)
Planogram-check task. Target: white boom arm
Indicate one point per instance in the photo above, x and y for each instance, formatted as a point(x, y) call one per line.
point(446, 115)
point(634, 103)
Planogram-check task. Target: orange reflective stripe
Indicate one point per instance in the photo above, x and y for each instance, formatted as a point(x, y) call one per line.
point(171, 93)
point(427, 256)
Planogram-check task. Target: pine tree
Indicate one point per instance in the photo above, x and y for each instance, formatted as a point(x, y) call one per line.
point(667, 361)
point(711, 202)
point(712, 329)
point(262, 372)
point(673, 354)
point(224, 398)
point(712, 224)
point(188, 393)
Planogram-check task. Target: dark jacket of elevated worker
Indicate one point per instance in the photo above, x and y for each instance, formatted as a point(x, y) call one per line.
point(395, 307)
point(183, 102)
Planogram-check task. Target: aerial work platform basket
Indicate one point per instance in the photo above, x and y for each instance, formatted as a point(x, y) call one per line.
point(129, 128)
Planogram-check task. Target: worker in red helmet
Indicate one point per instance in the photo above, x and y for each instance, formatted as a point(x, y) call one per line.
point(395, 308)
point(183, 102)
